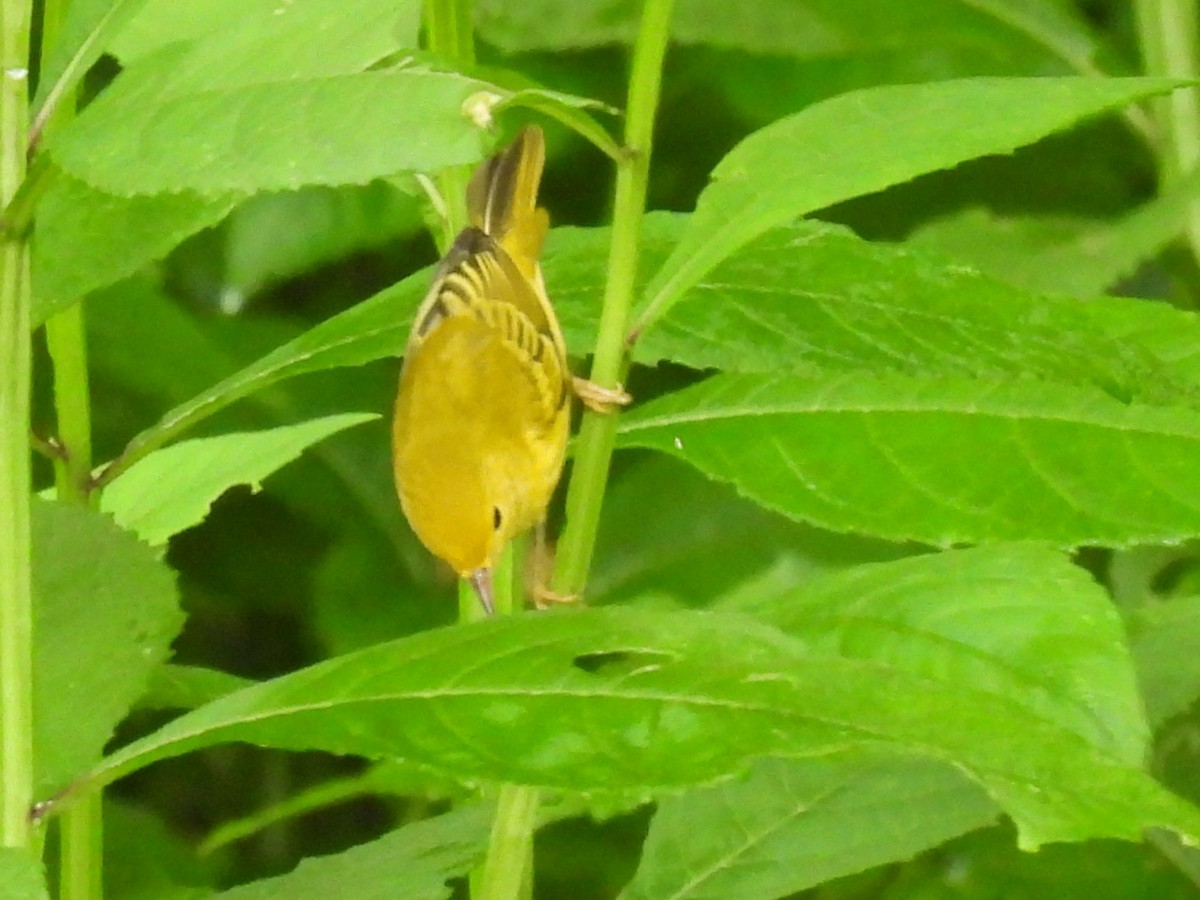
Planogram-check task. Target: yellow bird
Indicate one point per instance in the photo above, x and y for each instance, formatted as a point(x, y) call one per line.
point(482, 414)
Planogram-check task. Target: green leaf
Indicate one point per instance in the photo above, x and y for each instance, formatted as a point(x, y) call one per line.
point(87, 30)
point(1000, 32)
point(1080, 258)
point(190, 101)
point(866, 141)
point(812, 295)
point(941, 461)
point(813, 298)
point(988, 866)
point(146, 859)
point(229, 42)
point(137, 313)
point(365, 590)
point(1166, 647)
point(104, 604)
point(1023, 623)
point(1171, 334)
point(273, 237)
point(410, 863)
point(373, 329)
point(340, 129)
point(186, 687)
point(668, 531)
point(788, 825)
point(87, 239)
point(570, 110)
point(173, 489)
point(616, 699)
point(802, 296)
point(21, 875)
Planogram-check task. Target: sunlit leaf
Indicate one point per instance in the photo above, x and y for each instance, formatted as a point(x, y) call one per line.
point(410, 863)
point(1013, 619)
point(941, 461)
point(865, 141)
point(787, 825)
point(280, 135)
point(87, 239)
point(104, 603)
point(246, 40)
point(186, 687)
point(616, 699)
point(174, 488)
point(87, 31)
point(21, 875)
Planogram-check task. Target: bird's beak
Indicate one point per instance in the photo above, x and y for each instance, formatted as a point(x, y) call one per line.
point(481, 580)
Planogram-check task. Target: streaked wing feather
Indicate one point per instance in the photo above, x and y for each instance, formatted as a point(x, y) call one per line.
point(475, 274)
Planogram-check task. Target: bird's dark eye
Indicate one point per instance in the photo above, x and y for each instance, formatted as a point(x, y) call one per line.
point(496, 518)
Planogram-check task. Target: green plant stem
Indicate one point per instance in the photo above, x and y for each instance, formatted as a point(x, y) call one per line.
point(597, 434)
point(81, 829)
point(449, 30)
point(17, 216)
point(448, 33)
point(1170, 42)
point(309, 800)
point(68, 353)
point(507, 871)
point(16, 607)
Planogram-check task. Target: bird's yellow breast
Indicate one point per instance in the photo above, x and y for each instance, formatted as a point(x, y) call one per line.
point(479, 437)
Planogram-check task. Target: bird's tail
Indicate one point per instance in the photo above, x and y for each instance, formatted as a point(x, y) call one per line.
point(502, 200)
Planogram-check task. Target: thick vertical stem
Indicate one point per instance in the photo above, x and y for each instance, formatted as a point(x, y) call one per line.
point(448, 32)
point(81, 831)
point(81, 827)
point(16, 608)
point(1170, 42)
point(597, 435)
point(510, 848)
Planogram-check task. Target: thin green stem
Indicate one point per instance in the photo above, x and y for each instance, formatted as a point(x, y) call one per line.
point(72, 403)
point(449, 30)
point(82, 831)
point(597, 434)
point(506, 873)
point(448, 33)
point(1170, 42)
point(337, 790)
point(17, 217)
point(16, 607)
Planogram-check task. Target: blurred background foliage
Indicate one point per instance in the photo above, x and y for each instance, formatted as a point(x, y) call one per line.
point(320, 561)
